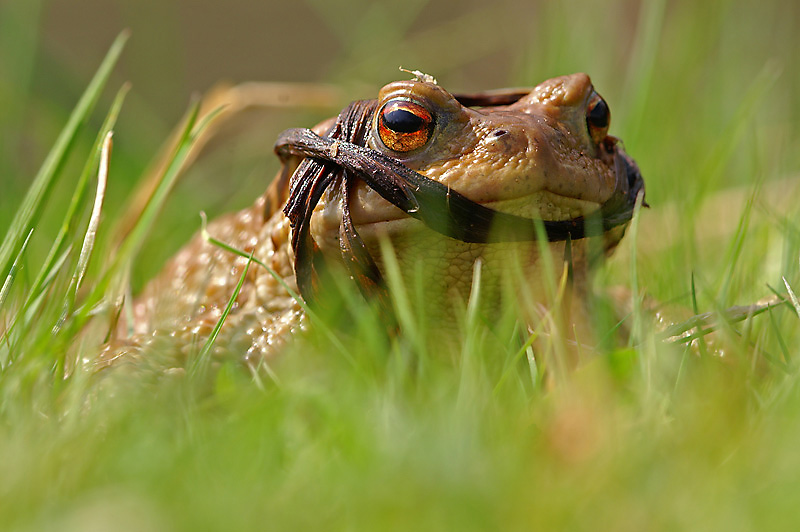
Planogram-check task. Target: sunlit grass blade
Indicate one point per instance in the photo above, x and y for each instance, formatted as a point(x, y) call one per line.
point(88, 241)
point(37, 299)
point(312, 315)
point(695, 306)
point(9, 355)
point(403, 307)
point(144, 224)
point(72, 216)
point(6, 288)
point(787, 356)
point(119, 265)
point(512, 361)
point(735, 250)
point(31, 206)
point(94, 221)
point(202, 361)
point(227, 247)
point(710, 321)
point(470, 344)
point(696, 310)
point(792, 296)
point(33, 303)
point(636, 297)
point(474, 301)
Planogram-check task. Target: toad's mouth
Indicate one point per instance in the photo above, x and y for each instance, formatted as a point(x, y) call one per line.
point(341, 156)
point(370, 213)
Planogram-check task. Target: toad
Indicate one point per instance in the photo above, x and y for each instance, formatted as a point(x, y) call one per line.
point(434, 185)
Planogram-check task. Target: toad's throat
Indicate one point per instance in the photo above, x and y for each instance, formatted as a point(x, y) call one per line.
point(341, 156)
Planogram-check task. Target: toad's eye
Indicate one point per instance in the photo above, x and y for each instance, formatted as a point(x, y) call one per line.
point(404, 126)
point(598, 117)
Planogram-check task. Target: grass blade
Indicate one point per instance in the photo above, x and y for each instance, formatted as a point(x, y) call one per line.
point(710, 321)
point(119, 265)
point(318, 321)
point(72, 215)
point(787, 356)
point(227, 247)
point(202, 361)
point(91, 231)
point(14, 268)
point(792, 296)
point(30, 209)
point(94, 220)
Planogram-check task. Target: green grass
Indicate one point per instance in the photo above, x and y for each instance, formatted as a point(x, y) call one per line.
point(352, 430)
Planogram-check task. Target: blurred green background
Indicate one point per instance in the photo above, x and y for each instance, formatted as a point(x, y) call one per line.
point(648, 436)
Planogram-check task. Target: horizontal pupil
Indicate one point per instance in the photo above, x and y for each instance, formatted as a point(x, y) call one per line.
point(598, 115)
point(402, 121)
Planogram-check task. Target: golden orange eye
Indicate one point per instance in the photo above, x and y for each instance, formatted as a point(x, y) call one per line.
point(404, 126)
point(598, 117)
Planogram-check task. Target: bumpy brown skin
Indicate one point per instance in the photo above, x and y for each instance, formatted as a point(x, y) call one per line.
point(534, 158)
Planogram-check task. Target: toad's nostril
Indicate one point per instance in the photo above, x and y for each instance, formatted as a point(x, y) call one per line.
point(499, 132)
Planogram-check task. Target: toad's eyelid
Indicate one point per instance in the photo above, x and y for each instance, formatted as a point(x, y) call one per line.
point(408, 106)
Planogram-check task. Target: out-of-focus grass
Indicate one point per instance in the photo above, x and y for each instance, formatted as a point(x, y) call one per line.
point(387, 435)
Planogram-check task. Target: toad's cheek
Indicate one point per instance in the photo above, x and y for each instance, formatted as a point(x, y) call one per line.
point(497, 169)
point(510, 185)
point(506, 162)
point(512, 161)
